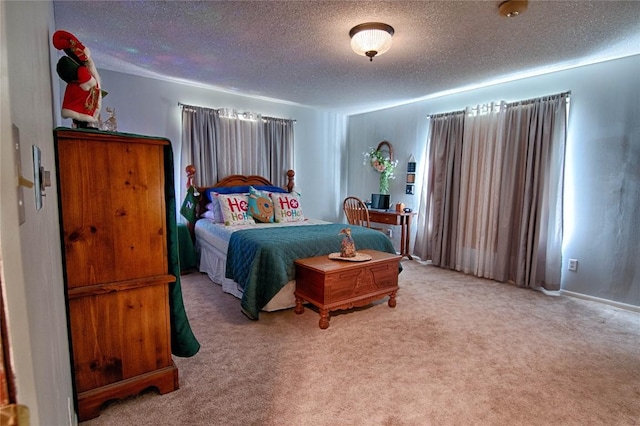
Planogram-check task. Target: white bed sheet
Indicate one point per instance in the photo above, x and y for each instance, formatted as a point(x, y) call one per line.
point(212, 242)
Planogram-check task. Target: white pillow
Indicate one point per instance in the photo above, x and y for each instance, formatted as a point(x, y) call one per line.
point(234, 209)
point(213, 211)
point(209, 215)
point(287, 207)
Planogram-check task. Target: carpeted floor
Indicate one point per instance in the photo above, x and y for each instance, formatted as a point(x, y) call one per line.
point(456, 350)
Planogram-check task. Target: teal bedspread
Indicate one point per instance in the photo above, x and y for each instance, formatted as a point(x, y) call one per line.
point(261, 260)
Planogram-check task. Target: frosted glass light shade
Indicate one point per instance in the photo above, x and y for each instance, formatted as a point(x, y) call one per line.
point(371, 39)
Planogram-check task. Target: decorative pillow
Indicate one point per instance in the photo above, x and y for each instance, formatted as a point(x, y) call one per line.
point(287, 207)
point(260, 205)
point(234, 209)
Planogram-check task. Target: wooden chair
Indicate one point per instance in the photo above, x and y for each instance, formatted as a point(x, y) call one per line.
point(356, 212)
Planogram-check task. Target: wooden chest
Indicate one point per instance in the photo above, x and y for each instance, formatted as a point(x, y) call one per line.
point(338, 284)
point(114, 239)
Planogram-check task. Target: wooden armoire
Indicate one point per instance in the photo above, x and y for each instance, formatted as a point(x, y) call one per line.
point(111, 195)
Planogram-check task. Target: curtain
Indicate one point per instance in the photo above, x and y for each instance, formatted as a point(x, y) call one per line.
point(437, 216)
point(481, 172)
point(223, 142)
point(279, 154)
point(200, 127)
point(495, 209)
point(530, 244)
point(240, 146)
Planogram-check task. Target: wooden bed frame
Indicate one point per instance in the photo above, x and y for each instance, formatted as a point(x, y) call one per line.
point(223, 265)
point(233, 180)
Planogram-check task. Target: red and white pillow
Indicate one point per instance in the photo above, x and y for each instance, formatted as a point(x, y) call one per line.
point(287, 207)
point(234, 209)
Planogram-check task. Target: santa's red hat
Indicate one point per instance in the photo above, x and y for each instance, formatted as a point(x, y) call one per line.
point(64, 40)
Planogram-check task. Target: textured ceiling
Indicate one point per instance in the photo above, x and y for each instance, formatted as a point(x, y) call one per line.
point(299, 51)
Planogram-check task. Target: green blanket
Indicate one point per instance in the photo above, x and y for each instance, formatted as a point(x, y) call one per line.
point(183, 342)
point(261, 260)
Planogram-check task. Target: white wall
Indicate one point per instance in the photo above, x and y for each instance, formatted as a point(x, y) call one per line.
point(602, 175)
point(31, 257)
point(150, 107)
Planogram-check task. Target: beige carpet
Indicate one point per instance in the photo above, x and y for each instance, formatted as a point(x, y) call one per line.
point(456, 350)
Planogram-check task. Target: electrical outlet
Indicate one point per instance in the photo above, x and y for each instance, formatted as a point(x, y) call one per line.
point(389, 233)
point(573, 265)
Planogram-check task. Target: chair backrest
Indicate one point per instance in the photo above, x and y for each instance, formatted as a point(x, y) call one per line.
point(356, 211)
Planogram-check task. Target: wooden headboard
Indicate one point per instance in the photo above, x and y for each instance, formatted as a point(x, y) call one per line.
point(233, 180)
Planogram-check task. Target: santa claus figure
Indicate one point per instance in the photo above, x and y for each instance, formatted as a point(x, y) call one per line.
point(82, 97)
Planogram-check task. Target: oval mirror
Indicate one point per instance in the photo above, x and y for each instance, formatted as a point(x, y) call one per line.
point(386, 148)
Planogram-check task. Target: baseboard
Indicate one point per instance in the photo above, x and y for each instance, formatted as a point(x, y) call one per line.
point(620, 305)
point(625, 306)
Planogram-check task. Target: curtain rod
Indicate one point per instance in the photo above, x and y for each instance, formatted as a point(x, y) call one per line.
point(526, 101)
point(442, 114)
point(181, 105)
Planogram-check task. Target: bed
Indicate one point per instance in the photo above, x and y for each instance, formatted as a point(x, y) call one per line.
point(254, 259)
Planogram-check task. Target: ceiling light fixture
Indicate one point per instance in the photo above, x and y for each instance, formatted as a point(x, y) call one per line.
point(512, 8)
point(371, 39)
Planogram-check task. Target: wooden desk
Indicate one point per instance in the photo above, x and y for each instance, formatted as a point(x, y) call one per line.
point(396, 218)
